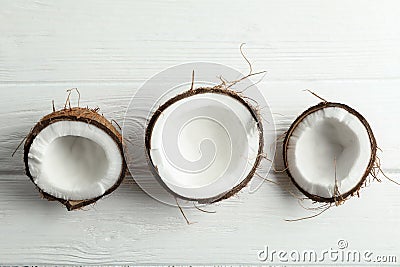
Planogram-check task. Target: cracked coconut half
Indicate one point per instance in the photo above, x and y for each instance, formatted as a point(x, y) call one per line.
point(329, 151)
point(204, 145)
point(75, 156)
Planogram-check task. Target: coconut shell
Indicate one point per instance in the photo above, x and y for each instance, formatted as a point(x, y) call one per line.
point(299, 119)
point(90, 116)
point(189, 93)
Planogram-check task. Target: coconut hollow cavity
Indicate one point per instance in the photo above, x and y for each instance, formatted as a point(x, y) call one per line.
point(205, 144)
point(75, 156)
point(329, 151)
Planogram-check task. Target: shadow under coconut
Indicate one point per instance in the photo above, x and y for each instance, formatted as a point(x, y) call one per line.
point(135, 190)
point(282, 179)
point(278, 177)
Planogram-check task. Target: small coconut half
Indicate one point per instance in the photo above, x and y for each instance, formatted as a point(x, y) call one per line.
point(329, 151)
point(204, 144)
point(75, 156)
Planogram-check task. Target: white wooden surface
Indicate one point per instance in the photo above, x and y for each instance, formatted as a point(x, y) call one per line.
point(347, 51)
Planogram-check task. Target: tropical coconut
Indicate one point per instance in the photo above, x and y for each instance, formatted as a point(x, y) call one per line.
point(204, 145)
point(75, 156)
point(329, 151)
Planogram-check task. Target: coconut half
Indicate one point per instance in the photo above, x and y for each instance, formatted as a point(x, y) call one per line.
point(74, 156)
point(204, 144)
point(329, 151)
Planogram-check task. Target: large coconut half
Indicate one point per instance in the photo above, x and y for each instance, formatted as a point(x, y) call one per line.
point(74, 156)
point(204, 144)
point(329, 151)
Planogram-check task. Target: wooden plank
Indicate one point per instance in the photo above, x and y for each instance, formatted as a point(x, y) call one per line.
point(130, 227)
point(345, 51)
point(23, 105)
point(124, 40)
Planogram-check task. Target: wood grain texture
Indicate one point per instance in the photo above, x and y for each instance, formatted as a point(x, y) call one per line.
point(346, 51)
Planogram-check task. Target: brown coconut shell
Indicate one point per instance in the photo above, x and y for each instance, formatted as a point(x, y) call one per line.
point(368, 170)
point(86, 115)
point(197, 91)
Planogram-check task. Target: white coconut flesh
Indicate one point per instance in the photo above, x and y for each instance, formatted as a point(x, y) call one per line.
point(321, 138)
point(74, 160)
point(204, 145)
